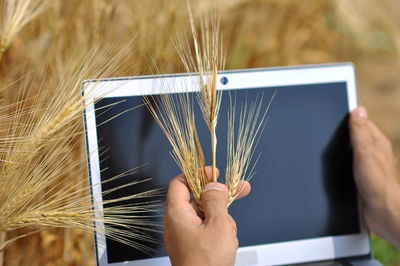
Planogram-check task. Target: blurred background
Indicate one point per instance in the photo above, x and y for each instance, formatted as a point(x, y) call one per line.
point(46, 36)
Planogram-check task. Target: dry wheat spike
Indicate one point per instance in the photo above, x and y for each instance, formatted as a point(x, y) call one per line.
point(208, 57)
point(242, 142)
point(18, 13)
point(38, 162)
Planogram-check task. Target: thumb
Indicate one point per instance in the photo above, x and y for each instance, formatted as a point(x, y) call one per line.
point(359, 126)
point(214, 200)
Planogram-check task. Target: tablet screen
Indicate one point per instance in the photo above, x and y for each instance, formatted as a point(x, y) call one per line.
point(303, 186)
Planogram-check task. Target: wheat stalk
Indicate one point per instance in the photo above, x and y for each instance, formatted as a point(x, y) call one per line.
point(18, 13)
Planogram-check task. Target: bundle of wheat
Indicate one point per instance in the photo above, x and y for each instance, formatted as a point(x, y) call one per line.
point(175, 115)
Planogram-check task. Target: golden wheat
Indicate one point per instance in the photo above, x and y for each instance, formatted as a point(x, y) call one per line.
point(242, 142)
point(18, 13)
point(208, 58)
point(37, 162)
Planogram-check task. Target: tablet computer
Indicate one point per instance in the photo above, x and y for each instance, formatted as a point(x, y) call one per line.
point(303, 204)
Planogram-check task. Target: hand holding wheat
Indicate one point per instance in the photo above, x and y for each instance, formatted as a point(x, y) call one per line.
point(212, 228)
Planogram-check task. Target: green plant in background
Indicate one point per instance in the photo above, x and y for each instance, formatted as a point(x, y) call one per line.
point(385, 252)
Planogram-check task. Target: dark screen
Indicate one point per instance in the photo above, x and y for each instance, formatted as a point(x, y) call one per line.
point(303, 187)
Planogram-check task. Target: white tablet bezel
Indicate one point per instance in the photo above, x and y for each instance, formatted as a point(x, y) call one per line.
point(316, 249)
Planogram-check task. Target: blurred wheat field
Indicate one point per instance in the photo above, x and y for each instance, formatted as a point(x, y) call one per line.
point(49, 36)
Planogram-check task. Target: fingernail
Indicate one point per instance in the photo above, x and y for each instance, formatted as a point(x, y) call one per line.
point(361, 112)
point(214, 186)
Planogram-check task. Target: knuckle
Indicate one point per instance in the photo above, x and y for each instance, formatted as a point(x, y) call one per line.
point(171, 205)
point(207, 199)
point(167, 224)
point(218, 221)
point(206, 203)
point(357, 122)
point(213, 194)
point(233, 223)
point(212, 199)
point(172, 209)
point(236, 243)
point(167, 217)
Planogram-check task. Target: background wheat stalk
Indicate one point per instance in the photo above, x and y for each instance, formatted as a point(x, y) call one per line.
point(35, 192)
point(37, 147)
point(71, 207)
point(17, 14)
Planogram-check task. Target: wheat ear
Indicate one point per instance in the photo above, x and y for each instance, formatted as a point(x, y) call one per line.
point(175, 116)
point(67, 208)
point(17, 14)
point(206, 58)
point(242, 141)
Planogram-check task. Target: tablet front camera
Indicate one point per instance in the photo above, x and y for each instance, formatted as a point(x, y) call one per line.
point(224, 80)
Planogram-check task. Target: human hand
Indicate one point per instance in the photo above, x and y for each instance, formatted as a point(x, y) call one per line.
point(376, 177)
point(196, 238)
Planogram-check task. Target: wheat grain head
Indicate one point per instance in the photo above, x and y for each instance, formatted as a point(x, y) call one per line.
point(242, 141)
point(18, 13)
